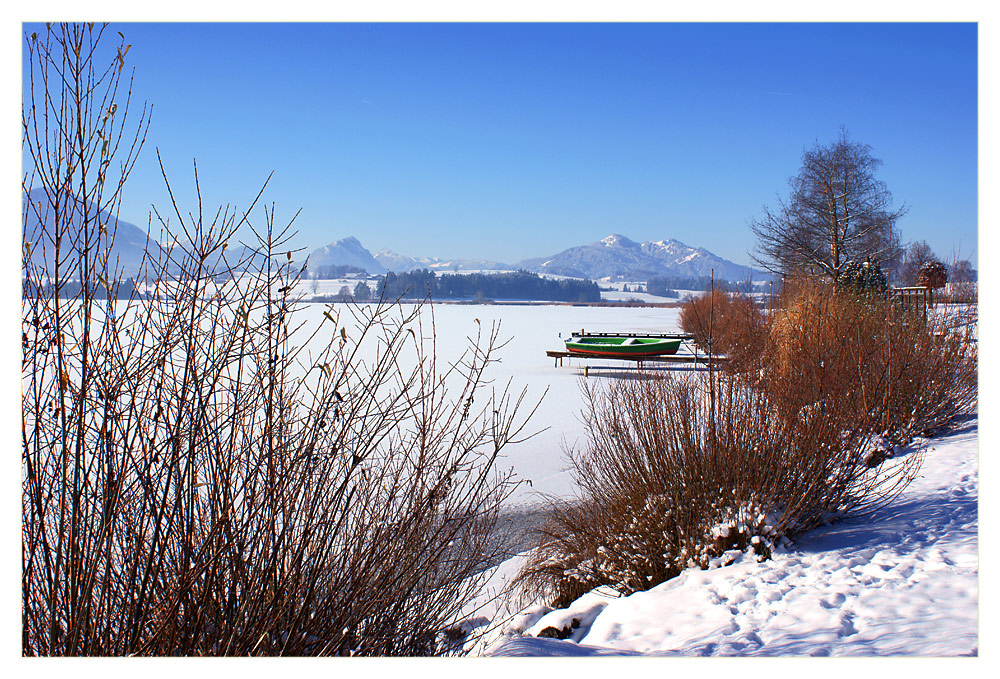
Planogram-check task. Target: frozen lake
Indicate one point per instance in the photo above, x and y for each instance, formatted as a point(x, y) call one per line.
point(532, 330)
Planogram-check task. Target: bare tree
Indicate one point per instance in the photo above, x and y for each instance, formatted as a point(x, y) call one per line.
point(918, 254)
point(961, 280)
point(837, 211)
point(962, 272)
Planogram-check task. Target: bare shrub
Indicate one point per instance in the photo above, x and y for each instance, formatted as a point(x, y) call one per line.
point(815, 345)
point(200, 474)
point(196, 485)
point(684, 472)
point(672, 479)
point(934, 372)
point(933, 275)
point(907, 373)
point(725, 323)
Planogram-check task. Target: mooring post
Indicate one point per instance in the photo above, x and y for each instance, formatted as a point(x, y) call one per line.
point(586, 371)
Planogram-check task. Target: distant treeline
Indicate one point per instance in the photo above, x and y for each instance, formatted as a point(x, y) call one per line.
point(521, 285)
point(336, 271)
point(667, 286)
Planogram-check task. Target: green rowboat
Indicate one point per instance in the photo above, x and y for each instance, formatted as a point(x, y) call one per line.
point(611, 346)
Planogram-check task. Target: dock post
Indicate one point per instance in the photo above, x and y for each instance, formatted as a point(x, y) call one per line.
point(586, 371)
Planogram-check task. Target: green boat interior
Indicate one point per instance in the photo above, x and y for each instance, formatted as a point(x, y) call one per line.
point(617, 341)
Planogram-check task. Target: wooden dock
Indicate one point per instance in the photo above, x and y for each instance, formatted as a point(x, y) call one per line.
point(691, 358)
point(675, 358)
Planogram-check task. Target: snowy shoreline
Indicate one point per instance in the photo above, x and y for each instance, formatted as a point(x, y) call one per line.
point(901, 582)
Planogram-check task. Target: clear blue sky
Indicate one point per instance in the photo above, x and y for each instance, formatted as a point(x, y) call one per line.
point(509, 141)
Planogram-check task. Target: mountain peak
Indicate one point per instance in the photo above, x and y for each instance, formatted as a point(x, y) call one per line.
point(349, 240)
point(668, 242)
point(616, 239)
point(349, 251)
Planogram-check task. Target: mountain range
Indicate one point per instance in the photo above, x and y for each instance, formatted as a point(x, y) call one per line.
point(614, 256)
point(127, 252)
point(618, 256)
point(129, 246)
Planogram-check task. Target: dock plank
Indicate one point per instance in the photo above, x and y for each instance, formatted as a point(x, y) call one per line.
point(675, 358)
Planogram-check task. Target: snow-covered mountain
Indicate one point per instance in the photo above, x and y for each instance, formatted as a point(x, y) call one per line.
point(402, 263)
point(617, 255)
point(346, 251)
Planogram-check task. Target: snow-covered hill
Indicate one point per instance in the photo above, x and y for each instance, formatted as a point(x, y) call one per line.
point(617, 255)
point(901, 582)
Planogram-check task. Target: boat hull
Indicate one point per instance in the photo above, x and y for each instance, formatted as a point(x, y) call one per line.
point(622, 347)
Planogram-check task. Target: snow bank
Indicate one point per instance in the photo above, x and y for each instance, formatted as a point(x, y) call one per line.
point(903, 581)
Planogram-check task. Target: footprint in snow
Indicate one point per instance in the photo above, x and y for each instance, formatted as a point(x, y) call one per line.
point(847, 625)
point(835, 600)
point(754, 638)
point(772, 596)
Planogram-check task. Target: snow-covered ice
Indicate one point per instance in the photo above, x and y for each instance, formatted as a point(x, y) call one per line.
point(531, 330)
point(901, 582)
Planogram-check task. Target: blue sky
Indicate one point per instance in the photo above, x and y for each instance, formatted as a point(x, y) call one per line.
point(510, 141)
